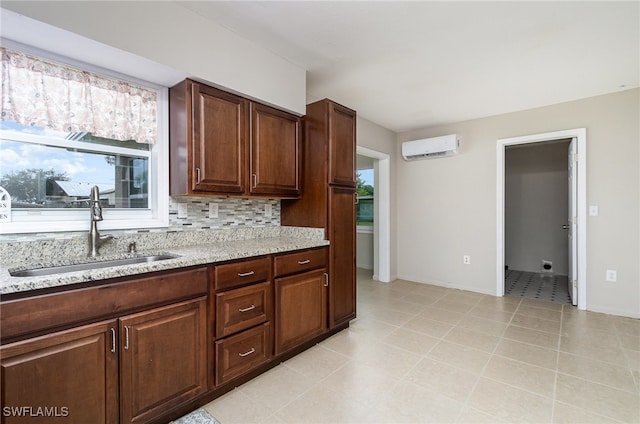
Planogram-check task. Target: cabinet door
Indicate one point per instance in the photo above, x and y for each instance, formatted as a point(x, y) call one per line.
point(275, 152)
point(65, 377)
point(220, 133)
point(300, 309)
point(163, 359)
point(342, 263)
point(342, 145)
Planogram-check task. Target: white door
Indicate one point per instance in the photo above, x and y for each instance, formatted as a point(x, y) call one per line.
point(572, 223)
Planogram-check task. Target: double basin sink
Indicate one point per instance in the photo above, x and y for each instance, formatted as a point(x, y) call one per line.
point(60, 269)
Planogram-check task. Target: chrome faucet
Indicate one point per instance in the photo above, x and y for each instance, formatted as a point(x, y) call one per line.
point(95, 239)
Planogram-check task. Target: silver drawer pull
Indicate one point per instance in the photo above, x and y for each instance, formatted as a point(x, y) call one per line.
point(247, 309)
point(245, 274)
point(247, 353)
point(304, 262)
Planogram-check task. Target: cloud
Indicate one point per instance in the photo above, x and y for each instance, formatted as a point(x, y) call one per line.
point(70, 168)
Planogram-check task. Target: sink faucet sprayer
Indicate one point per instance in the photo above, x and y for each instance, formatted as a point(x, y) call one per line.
point(95, 239)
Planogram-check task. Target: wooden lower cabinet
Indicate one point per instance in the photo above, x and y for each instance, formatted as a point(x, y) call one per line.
point(128, 370)
point(240, 353)
point(65, 377)
point(342, 251)
point(163, 359)
point(300, 308)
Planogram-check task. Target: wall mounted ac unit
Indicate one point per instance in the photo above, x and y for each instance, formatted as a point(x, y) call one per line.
point(445, 145)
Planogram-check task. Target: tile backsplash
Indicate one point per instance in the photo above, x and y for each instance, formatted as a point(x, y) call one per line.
point(232, 213)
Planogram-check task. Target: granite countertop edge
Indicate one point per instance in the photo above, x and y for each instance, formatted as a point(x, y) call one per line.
point(203, 254)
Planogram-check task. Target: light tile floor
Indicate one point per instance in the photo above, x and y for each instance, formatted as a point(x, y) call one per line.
point(426, 354)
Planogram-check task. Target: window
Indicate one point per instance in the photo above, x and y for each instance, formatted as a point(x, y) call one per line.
point(364, 207)
point(66, 129)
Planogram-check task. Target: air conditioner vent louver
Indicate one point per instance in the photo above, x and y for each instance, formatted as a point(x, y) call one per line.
point(428, 148)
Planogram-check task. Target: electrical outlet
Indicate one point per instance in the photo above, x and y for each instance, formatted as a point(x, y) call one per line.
point(268, 210)
point(182, 211)
point(612, 275)
point(466, 259)
point(213, 210)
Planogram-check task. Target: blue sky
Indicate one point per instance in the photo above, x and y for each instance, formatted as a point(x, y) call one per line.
point(367, 176)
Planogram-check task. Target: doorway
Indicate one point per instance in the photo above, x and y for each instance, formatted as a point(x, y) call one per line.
point(576, 258)
point(536, 217)
point(381, 228)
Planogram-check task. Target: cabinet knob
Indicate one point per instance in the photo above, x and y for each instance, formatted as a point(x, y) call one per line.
point(326, 279)
point(197, 175)
point(245, 274)
point(304, 262)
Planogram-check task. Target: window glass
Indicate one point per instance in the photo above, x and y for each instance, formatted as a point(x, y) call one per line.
point(48, 169)
point(365, 192)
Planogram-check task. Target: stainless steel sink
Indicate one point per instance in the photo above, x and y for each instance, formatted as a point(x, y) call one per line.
point(36, 272)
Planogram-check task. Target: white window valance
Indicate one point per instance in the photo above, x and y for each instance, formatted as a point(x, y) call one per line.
point(42, 93)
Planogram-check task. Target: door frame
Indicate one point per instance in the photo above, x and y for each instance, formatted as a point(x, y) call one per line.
point(381, 213)
point(580, 134)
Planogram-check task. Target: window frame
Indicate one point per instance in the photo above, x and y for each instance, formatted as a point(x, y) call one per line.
point(66, 220)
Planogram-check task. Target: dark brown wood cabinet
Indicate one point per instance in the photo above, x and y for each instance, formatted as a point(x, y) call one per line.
point(208, 140)
point(300, 283)
point(242, 303)
point(342, 268)
point(143, 360)
point(275, 152)
point(72, 373)
point(163, 359)
point(300, 308)
point(328, 199)
point(224, 144)
point(242, 352)
point(341, 135)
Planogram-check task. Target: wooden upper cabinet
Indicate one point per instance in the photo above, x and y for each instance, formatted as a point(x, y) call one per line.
point(219, 140)
point(342, 145)
point(275, 151)
point(221, 143)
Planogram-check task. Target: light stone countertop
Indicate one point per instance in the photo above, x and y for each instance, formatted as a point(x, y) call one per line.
point(209, 251)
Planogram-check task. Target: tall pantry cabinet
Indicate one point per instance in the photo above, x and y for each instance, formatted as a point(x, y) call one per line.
point(328, 198)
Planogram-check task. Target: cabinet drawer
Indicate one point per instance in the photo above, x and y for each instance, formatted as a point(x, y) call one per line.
point(241, 353)
point(300, 261)
point(242, 273)
point(242, 308)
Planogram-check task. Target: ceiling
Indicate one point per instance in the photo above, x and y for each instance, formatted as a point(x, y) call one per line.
point(409, 65)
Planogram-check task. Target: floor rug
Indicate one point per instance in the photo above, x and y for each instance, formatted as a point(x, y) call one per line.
point(199, 416)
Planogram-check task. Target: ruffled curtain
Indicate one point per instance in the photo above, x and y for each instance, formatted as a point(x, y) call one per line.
point(42, 93)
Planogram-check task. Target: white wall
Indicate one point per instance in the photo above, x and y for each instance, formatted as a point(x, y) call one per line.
point(446, 208)
point(536, 206)
point(375, 137)
point(364, 250)
point(172, 35)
